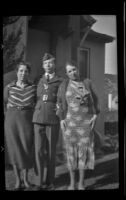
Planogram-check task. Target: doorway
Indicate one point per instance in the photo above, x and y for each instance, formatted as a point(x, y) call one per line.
point(84, 62)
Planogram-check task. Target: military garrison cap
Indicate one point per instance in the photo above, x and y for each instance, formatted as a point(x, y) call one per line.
point(48, 56)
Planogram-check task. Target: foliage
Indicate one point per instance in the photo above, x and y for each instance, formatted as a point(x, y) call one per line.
point(9, 20)
point(10, 42)
point(110, 87)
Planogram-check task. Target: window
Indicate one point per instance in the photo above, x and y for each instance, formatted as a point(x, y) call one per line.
point(112, 102)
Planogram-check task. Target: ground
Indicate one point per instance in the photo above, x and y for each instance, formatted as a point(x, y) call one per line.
point(104, 176)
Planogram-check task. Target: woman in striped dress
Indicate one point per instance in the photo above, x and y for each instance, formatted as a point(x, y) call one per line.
point(19, 100)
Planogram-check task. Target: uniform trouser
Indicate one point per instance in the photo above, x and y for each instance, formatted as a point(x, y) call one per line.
point(46, 138)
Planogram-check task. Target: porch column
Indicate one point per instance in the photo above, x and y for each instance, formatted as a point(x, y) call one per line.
point(53, 42)
point(75, 40)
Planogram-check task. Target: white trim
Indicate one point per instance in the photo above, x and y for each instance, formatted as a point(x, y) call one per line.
point(85, 35)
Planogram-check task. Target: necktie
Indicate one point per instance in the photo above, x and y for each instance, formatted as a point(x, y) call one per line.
point(47, 77)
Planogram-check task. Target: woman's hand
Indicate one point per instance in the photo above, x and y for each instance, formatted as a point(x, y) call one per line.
point(63, 125)
point(93, 121)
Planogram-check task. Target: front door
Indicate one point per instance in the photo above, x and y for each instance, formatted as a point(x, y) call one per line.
point(83, 62)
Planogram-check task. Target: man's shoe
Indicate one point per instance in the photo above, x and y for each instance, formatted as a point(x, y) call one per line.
point(39, 188)
point(50, 187)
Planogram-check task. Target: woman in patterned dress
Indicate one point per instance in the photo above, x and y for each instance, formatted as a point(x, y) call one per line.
point(78, 108)
point(19, 101)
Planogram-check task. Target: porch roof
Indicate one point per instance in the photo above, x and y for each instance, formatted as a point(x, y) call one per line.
point(61, 24)
point(99, 37)
point(88, 21)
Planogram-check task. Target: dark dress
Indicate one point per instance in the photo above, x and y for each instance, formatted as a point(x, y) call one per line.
point(18, 124)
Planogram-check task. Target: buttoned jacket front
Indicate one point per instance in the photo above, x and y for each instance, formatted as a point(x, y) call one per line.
point(45, 109)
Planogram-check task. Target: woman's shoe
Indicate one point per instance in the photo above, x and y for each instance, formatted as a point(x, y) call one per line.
point(27, 185)
point(71, 187)
point(81, 187)
point(17, 188)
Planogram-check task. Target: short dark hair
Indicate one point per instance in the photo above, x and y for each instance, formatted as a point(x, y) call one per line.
point(27, 64)
point(72, 63)
point(48, 56)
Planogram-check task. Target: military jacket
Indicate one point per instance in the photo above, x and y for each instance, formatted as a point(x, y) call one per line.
point(45, 109)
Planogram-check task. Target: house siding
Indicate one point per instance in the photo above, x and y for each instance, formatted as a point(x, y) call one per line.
point(97, 67)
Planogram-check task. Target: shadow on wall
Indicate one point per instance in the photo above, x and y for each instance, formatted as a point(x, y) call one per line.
point(105, 174)
point(60, 70)
point(9, 77)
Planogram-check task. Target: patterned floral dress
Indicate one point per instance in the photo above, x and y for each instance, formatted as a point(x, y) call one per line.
point(78, 136)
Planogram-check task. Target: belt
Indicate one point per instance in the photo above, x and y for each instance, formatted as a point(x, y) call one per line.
point(46, 99)
point(21, 107)
point(49, 101)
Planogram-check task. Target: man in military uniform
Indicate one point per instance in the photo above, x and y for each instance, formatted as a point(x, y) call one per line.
point(46, 122)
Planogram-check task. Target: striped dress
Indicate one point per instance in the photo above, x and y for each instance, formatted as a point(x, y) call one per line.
point(19, 105)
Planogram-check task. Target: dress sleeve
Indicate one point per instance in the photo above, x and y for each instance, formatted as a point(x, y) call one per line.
point(35, 98)
point(95, 97)
point(60, 102)
point(6, 95)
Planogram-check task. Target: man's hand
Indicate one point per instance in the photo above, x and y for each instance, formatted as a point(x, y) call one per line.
point(63, 125)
